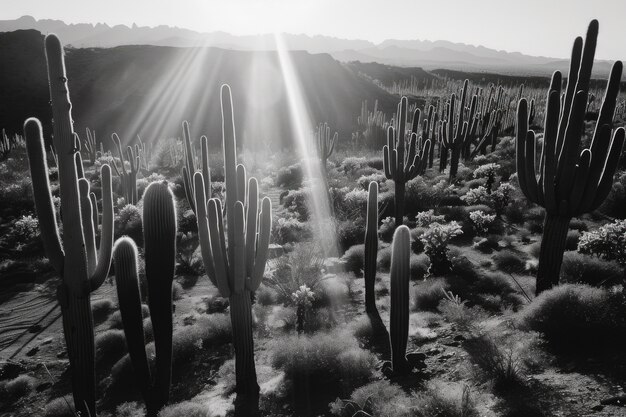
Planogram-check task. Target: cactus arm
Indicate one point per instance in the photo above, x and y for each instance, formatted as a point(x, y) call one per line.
point(78, 160)
point(86, 212)
point(581, 173)
point(604, 187)
point(551, 126)
point(263, 241)
point(94, 212)
point(206, 172)
point(386, 163)
point(189, 191)
point(129, 300)
point(371, 248)
point(607, 110)
point(241, 183)
point(239, 262)
point(219, 251)
point(106, 234)
point(41, 192)
point(203, 228)
point(521, 136)
point(569, 93)
point(118, 144)
point(586, 63)
point(530, 158)
point(230, 160)
point(251, 224)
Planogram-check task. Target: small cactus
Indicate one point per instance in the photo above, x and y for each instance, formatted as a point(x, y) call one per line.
point(325, 145)
point(128, 178)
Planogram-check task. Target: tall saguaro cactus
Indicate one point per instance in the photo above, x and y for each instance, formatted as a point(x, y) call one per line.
point(128, 177)
point(235, 251)
point(159, 223)
point(189, 169)
point(455, 132)
point(568, 182)
point(399, 165)
point(325, 144)
point(76, 261)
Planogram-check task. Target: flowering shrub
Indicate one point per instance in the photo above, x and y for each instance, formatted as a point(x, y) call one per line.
point(481, 221)
point(607, 242)
point(435, 241)
point(25, 230)
point(129, 223)
point(426, 218)
point(478, 195)
point(303, 299)
point(498, 199)
point(364, 180)
point(487, 171)
point(289, 229)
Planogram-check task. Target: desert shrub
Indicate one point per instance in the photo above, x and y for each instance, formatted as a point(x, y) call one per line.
point(573, 316)
point(350, 233)
point(445, 400)
point(514, 212)
point(509, 261)
point(60, 407)
point(18, 196)
point(498, 199)
point(456, 311)
point(487, 244)
point(129, 223)
point(481, 221)
point(265, 295)
point(17, 387)
point(426, 218)
point(615, 203)
point(24, 232)
point(427, 295)
point(323, 364)
point(571, 241)
point(387, 228)
point(578, 224)
point(110, 345)
point(378, 398)
point(607, 242)
point(585, 269)
point(187, 409)
point(435, 240)
point(102, 309)
point(364, 180)
point(188, 256)
point(296, 202)
point(289, 229)
point(487, 171)
point(419, 265)
point(417, 246)
point(353, 163)
point(383, 260)
point(496, 361)
point(186, 222)
point(290, 176)
point(355, 259)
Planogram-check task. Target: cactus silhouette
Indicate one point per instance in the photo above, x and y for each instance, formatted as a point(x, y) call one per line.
point(235, 251)
point(128, 178)
point(399, 165)
point(82, 269)
point(159, 223)
point(189, 169)
point(568, 182)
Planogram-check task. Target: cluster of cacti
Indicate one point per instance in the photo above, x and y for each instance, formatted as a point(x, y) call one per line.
point(128, 177)
point(402, 166)
point(76, 261)
point(372, 127)
point(7, 144)
point(91, 146)
point(159, 230)
point(568, 182)
point(235, 251)
point(143, 150)
point(325, 145)
point(190, 168)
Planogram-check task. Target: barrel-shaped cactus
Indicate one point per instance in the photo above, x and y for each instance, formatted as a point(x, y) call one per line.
point(235, 251)
point(568, 182)
point(399, 165)
point(159, 229)
point(399, 294)
point(82, 269)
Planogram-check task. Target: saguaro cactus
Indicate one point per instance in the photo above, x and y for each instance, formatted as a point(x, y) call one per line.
point(400, 166)
point(399, 314)
point(455, 133)
point(76, 261)
point(325, 145)
point(189, 169)
point(569, 183)
point(235, 252)
point(90, 145)
point(159, 224)
point(128, 178)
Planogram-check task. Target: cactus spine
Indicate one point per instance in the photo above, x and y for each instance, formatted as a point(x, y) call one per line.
point(399, 314)
point(75, 260)
point(159, 224)
point(128, 178)
point(235, 252)
point(568, 183)
point(400, 166)
point(325, 145)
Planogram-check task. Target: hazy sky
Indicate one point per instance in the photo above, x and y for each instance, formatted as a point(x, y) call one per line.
point(536, 27)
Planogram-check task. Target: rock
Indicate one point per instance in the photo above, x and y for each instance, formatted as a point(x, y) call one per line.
point(11, 370)
point(46, 341)
point(33, 351)
point(459, 338)
point(598, 407)
point(35, 328)
point(44, 386)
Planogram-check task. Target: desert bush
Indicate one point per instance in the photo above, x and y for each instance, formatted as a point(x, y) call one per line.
point(378, 398)
point(129, 223)
point(481, 221)
point(353, 163)
point(350, 233)
point(387, 228)
point(18, 387)
point(322, 364)
point(355, 259)
point(574, 316)
point(509, 261)
point(487, 171)
point(110, 345)
point(456, 311)
point(585, 269)
point(571, 241)
point(435, 240)
point(102, 309)
point(289, 229)
point(60, 407)
point(290, 177)
point(265, 295)
point(419, 265)
point(296, 201)
point(427, 295)
point(496, 361)
point(187, 409)
point(607, 242)
point(383, 260)
point(426, 218)
point(364, 180)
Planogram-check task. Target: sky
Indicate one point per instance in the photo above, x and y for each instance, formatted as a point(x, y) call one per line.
point(534, 27)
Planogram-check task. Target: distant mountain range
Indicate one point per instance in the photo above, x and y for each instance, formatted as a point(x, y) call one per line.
point(406, 53)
